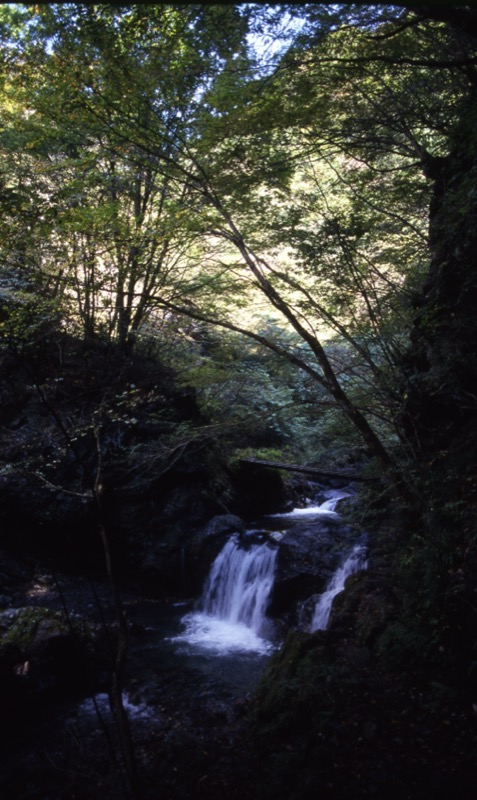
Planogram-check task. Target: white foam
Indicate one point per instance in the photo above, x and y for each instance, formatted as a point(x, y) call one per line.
point(328, 507)
point(102, 703)
point(220, 636)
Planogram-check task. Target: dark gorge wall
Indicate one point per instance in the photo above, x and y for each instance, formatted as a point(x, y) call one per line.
point(441, 365)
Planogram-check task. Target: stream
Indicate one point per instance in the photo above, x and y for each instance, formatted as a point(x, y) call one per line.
point(191, 672)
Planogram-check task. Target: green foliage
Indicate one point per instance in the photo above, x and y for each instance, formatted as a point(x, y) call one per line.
point(25, 320)
point(19, 627)
point(152, 167)
point(113, 233)
point(256, 402)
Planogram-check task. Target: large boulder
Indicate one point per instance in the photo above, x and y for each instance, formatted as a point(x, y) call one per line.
point(205, 546)
point(307, 557)
point(257, 490)
point(43, 656)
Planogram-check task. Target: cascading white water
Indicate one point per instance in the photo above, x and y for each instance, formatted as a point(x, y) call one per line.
point(232, 614)
point(327, 508)
point(354, 562)
point(239, 584)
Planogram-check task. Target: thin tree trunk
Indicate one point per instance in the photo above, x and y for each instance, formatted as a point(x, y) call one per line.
point(116, 698)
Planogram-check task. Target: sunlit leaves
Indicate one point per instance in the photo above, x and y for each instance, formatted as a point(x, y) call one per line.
point(110, 100)
point(165, 166)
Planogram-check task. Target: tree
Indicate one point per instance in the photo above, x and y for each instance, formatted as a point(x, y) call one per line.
point(115, 231)
point(391, 131)
point(235, 147)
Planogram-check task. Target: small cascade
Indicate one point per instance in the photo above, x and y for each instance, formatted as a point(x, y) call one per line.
point(327, 507)
point(353, 563)
point(232, 613)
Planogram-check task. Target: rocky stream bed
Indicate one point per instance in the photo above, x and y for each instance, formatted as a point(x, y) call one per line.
point(186, 720)
point(187, 706)
point(314, 717)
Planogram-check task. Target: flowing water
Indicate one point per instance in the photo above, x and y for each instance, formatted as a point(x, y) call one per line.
point(232, 612)
point(352, 563)
point(220, 647)
point(231, 616)
point(327, 507)
point(187, 673)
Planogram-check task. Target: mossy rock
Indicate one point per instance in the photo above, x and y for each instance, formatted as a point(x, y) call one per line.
point(295, 679)
point(27, 628)
point(44, 656)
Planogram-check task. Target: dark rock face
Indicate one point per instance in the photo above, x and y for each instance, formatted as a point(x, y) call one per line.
point(439, 417)
point(151, 531)
point(43, 522)
point(260, 491)
point(205, 545)
point(307, 557)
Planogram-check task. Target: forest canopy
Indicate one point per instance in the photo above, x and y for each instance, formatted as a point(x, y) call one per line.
point(234, 179)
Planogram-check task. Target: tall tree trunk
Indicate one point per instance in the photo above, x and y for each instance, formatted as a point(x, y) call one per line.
point(441, 362)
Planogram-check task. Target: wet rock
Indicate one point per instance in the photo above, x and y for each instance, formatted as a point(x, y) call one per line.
point(307, 558)
point(218, 528)
point(177, 562)
point(259, 491)
point(152, 495)
point(206, 544)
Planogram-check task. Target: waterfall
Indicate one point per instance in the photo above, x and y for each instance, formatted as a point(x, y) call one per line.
point(353, 563)
point(239, 584)
point(232, 611)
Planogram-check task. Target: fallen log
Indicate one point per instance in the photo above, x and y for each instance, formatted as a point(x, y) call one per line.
point(306, 470)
